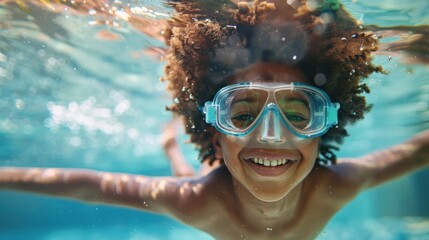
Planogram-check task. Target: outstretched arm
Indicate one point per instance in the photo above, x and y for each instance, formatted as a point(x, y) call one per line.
point(179, 166)
point(163, 195)
point(388, 164)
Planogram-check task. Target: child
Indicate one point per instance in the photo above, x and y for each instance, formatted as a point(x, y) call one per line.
point(265, 91)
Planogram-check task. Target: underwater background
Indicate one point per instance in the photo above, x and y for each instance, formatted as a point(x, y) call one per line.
point(80, 88)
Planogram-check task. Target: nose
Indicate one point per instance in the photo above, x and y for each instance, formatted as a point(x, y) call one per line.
point(270, 130)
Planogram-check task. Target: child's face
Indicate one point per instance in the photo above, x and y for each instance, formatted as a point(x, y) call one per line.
point(273, 182)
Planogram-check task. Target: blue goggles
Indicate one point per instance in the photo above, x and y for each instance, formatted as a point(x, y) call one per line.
point(305, 111)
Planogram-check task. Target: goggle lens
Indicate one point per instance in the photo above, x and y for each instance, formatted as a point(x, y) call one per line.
point(247, 105)
point(295, 107)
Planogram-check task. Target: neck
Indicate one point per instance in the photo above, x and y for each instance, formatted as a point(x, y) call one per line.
point(268, 213)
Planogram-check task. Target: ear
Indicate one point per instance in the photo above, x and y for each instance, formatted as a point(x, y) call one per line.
point(216, 144)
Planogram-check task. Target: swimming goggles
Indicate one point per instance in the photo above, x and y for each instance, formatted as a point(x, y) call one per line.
point(297, 108)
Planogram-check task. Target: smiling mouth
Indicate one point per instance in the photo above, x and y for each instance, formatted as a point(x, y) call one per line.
point(271, 162)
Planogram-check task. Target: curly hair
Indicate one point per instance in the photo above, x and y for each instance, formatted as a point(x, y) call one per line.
point(323, 42)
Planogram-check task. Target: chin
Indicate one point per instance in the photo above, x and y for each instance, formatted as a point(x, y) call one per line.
point(268, 195)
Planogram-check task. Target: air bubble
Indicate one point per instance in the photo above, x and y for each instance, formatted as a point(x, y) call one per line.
point(19, 104)
point(75, 141)
point(232, 27)
point(320, 79)
point(52, 61)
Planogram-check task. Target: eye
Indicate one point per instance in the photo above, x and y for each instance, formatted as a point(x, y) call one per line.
point(297, 120)
point(243, 120)
point(295, 117)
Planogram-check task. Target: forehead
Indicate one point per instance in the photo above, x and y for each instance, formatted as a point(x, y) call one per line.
point(268, 72)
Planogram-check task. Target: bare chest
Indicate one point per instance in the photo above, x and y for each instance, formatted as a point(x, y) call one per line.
point(306, 225)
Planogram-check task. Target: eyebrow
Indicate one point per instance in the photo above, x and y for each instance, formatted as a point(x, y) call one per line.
point(246, 99)
point(293, 100)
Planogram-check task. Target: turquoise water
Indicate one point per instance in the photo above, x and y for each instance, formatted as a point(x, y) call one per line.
point(78, 89)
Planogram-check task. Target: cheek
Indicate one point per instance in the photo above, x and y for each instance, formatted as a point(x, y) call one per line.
point(229, 142)
point(228, 147)
point(311, 151)
point(230, 150)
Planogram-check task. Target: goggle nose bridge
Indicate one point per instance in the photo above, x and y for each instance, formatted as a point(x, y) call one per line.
point(271, 128)
point(269, 123)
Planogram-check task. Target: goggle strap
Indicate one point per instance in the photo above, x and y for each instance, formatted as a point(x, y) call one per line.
point(332, 114)
point(210, 112)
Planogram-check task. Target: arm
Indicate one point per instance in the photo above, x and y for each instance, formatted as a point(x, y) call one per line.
point(179, 166)
point(163, 195)
point(385, 165)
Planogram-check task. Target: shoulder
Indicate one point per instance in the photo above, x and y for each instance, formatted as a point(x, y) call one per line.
point(340, 182)
point(199, 199)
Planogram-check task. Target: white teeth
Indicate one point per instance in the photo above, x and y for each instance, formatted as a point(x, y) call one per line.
point(272, 163)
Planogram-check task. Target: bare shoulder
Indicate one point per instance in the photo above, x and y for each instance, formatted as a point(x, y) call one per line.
point(198, 199)
point(338, 183)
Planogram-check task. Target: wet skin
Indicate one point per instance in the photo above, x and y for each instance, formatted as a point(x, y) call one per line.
point(241, 199)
